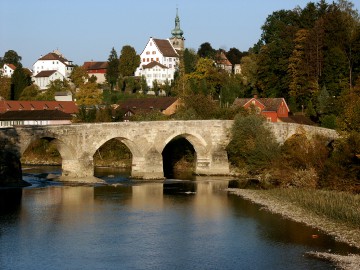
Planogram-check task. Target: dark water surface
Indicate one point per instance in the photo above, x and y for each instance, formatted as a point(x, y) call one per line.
point(136, 225)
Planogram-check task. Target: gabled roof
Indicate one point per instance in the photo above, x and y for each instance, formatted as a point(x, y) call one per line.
point(270, 104)
point(147, 104)
point(153, 64)
point(19, 105)
point(13, 67)
point(34, 115)
point(55, 57)
point(45, 73)
point(95, 65)
point(222, 59)
point(165, 47)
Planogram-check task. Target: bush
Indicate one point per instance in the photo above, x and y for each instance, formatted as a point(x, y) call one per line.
point(252, 144)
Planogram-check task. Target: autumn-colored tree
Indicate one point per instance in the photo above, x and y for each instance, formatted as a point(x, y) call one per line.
point(88, 94)
point(79, 76)
point(5, 87)
point(31, 92)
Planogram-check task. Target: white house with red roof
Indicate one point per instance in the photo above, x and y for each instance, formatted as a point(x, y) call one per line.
point(50, 67)
point(160, 58)
point(7, 70)
point(159, 61)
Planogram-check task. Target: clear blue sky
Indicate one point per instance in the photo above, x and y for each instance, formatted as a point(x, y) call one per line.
point(85, 30)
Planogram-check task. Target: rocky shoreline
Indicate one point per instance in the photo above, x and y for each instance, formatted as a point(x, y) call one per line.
point(341, 232)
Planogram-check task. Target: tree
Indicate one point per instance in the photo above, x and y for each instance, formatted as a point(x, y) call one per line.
point(252, 144)
point(88, 94)
point(5, 87)
point(234, 55)
point(20, 79)
point(11, 57)
point(53, 87)
point(112, 72)
point(79, 76)
point(190, 59)
point(30, 92)
point(128, 61)
point(304, 80)
point(206, 51)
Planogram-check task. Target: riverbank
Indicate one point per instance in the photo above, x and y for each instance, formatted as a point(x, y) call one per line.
point(341, 232)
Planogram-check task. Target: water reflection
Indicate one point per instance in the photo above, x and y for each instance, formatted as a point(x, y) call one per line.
point(154, 225)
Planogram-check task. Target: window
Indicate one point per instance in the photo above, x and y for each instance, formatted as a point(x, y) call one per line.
point(147, 59)
point(170, 59)
point(154, 52)
point(152, 59)
point(148, 53)
point(144, 59)
point(170, 66)
point(157, 59)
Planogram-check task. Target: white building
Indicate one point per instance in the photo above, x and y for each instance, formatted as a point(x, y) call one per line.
point(8, 70)
point(53, 61)
point(43, 78)
point(160, 58)
point(159, 61)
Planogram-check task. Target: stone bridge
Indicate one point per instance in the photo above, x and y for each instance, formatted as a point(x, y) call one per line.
point(77, 143)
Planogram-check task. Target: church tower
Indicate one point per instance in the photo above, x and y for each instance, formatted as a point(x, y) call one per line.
point(177, 39)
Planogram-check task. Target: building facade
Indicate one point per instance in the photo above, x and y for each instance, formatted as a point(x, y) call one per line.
point(160, 58)
point(7, 70)
point(43, 78)
point(53, 61)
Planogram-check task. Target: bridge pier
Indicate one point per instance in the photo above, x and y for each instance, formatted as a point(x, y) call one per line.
point(215, 164)
point(148, 167)
point(79, 170)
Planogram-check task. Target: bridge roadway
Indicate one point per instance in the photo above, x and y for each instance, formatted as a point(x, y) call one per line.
point(77, 143)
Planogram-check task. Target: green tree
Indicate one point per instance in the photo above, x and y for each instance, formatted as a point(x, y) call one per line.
point(252, 144)
point(54, 87)
point(20, 79)
point(234, 55)
point(206, 51)
point(11, 57)
point(128, 61)
point(190, 59)
point(79, 76)
point(30, 93)
point(112, 72)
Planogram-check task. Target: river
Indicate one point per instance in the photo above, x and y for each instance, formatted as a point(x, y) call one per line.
point(129, 224)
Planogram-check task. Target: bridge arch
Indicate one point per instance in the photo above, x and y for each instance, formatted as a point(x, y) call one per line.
point(65, 150)
point(130, 144)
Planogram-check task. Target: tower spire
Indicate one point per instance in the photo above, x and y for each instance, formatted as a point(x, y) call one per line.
point(177, 32)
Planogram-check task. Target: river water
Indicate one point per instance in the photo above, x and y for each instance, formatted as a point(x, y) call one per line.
point(148, 225)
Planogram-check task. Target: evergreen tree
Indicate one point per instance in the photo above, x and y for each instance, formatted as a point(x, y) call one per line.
point(112, 72)
point(11, 57)
point(20, 79)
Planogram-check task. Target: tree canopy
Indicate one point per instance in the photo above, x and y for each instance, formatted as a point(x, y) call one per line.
point(128, 61)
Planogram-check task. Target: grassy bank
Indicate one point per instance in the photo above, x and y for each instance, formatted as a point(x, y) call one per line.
point(338, 206)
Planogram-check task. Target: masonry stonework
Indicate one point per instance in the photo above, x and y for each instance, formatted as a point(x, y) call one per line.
point(77, 143)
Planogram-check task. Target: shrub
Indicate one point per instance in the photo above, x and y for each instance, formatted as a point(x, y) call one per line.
point(252, 143)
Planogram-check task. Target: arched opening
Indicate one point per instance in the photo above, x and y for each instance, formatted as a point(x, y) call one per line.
point(179, 159)
point(112, 158)
point(42, 158)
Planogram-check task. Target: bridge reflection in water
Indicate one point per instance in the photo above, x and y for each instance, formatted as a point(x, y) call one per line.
point(146, 225)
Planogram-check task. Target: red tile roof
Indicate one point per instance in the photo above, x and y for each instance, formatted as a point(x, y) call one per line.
point(18, 105)
point(271, 104)
point(95, 65)
point(165, 47)
point(11, 66)
point(222, 59)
